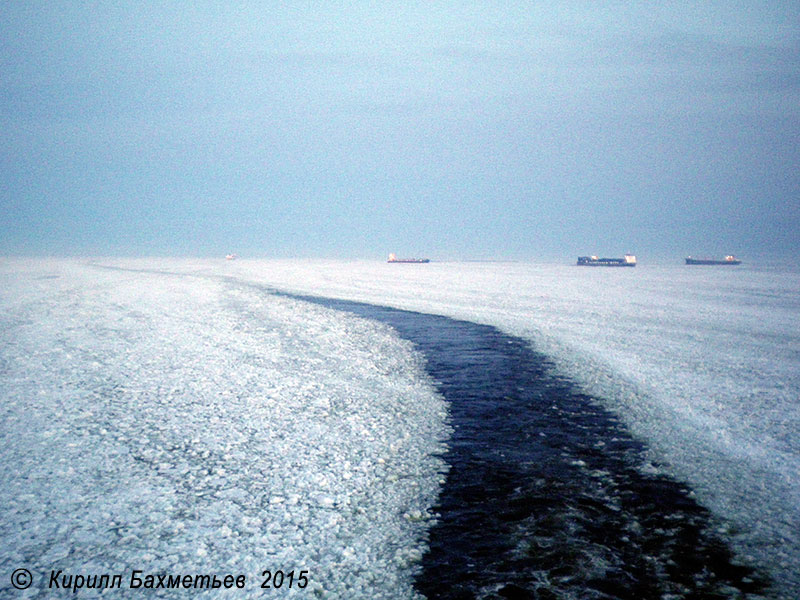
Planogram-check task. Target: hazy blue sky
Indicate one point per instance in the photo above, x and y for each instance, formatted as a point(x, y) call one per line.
point(352, 129)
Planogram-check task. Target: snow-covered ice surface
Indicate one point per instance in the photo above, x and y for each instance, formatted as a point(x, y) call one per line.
point(702, 363)
point(180, 424)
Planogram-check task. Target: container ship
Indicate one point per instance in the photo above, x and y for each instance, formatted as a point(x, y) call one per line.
point(394, 259)
point(629, 260)
point(728, 260)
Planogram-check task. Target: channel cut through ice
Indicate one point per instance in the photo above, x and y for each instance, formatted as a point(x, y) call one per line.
point(703, 364)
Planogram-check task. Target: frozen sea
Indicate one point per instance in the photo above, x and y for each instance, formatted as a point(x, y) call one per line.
point(179, 416)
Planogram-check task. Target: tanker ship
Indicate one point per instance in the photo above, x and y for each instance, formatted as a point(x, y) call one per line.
point(728, 260)
point(394, 259)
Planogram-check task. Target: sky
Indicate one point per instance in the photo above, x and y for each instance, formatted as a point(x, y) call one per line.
point(451, 130)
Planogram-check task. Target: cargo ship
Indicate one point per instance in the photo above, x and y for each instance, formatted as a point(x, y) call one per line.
point(728, 260)
point(394, 259)
point(629, 260)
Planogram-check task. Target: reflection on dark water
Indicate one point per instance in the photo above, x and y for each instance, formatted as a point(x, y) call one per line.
point(546, 496)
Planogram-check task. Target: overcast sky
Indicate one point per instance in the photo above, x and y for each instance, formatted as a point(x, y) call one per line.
point(352, 129)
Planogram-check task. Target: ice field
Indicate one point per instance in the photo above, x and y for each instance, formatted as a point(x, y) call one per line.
point(185, 425)
point(174, 413)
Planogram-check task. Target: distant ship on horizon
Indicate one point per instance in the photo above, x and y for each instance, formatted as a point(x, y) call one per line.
point(728, 260)
point(629, 260)
point(393, 259)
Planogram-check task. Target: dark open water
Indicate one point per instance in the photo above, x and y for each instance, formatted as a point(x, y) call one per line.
point(548, 495)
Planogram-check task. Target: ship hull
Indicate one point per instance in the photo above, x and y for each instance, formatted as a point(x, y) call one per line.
point(709, 261)
point(414, 261)
point(593, 261)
